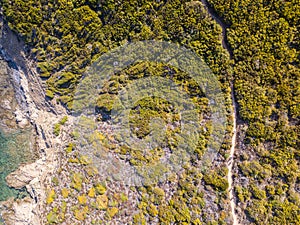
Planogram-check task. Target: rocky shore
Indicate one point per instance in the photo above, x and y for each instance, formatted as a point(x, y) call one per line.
point(23, 106)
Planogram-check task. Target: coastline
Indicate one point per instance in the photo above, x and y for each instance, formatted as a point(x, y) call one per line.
point(32, 110)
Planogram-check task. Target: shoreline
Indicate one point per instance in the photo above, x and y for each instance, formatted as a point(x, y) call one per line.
point(35, 111)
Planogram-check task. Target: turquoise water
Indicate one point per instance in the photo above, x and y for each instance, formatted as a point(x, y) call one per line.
point(15, 149)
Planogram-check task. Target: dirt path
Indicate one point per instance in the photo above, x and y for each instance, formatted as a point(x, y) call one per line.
point(230, 161)
point(223, 25)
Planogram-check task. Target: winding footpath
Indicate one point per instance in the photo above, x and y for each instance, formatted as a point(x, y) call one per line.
point(230, 161)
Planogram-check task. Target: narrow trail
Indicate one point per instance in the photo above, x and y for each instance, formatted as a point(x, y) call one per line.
point(230, 161)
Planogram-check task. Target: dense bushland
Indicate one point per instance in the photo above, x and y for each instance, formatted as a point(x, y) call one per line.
point(67, 36)
point(264, 37)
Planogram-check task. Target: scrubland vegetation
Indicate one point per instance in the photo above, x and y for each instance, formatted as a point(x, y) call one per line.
point(67, 36)
point(264, 37)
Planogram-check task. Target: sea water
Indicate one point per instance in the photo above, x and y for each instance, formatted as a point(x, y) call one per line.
point(15, 149)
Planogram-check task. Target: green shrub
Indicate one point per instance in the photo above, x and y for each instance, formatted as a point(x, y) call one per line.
point(56, 129)
point(51, 196)
point(52, 218)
